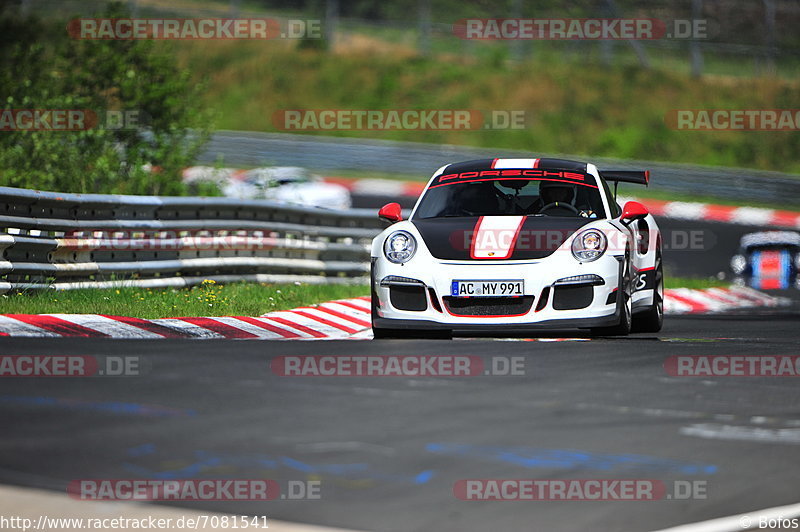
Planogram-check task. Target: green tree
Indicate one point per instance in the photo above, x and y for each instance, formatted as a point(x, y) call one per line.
point(43, 68)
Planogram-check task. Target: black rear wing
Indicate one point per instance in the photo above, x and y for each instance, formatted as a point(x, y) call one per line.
point(640, 177)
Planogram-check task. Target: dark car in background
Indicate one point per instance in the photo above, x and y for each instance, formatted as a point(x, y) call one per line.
point(768, 260)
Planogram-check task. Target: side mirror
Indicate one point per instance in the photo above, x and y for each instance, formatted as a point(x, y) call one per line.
point(633, 210)
point(391, 212)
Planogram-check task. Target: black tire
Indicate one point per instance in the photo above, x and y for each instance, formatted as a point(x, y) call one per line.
point(652, 319)
point(411, 334)
point(387, 334)
point(623, 328)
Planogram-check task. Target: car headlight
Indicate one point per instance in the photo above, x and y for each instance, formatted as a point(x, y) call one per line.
point(738, 264)
point(400, 247)
point(589, 245)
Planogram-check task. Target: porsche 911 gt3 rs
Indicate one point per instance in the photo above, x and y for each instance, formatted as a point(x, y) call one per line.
point(498, 245)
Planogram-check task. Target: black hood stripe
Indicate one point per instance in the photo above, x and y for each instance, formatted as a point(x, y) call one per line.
point(537, 237)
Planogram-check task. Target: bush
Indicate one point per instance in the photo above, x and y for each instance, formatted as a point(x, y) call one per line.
point(45, 69)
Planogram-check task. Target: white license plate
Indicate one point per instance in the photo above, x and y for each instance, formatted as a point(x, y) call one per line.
point(507, 287)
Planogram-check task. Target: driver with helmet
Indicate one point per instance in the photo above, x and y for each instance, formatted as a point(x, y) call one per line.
point(558, 199)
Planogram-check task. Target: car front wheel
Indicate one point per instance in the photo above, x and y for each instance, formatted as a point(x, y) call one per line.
point(623, 328)
point(652, 319)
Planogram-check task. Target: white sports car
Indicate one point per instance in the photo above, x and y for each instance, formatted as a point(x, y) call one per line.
point(498, 245)
point(285, 184)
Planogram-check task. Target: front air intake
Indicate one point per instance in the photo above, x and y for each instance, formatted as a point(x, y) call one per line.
point(408, 297)
point(488, 306)
point(572, 297)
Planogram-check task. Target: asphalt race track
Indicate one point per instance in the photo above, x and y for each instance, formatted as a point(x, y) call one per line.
point(388, 450)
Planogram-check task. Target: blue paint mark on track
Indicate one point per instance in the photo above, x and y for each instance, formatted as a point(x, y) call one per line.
point(569, 458)
point(135, 409)
point(204, 460)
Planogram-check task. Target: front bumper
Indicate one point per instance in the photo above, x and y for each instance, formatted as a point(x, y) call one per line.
point(598, 309)
point(482, 328)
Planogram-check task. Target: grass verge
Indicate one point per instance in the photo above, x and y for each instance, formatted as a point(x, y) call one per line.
point(696, 284)
point(208, 299)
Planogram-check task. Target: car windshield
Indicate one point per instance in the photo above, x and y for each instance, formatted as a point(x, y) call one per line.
point(512, 193)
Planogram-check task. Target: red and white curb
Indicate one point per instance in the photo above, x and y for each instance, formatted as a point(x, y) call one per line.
point(379, 187)
point(345, 318)
point(682, 210)
point(711, 300)
point(667, 209)
point(340, 319)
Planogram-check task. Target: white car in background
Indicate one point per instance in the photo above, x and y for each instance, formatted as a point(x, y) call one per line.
point(285, 184)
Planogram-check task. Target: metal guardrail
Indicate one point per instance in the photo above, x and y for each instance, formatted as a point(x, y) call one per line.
point(65, 241)
point(336, 154)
